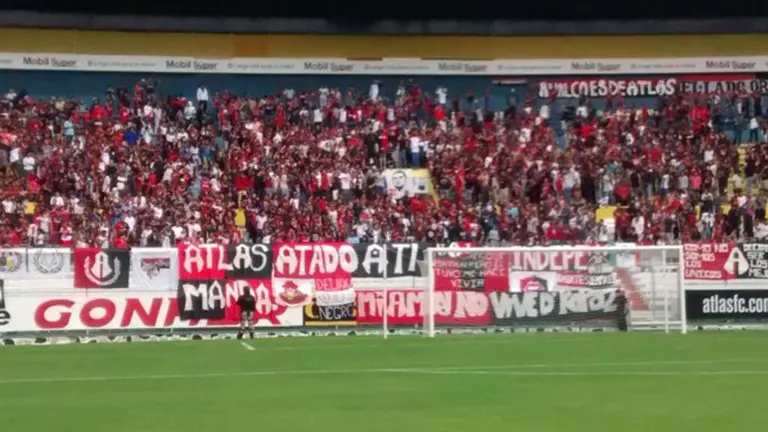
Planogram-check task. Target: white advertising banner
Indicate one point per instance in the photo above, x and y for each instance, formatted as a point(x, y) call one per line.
point(113, 311)
point(400, 66)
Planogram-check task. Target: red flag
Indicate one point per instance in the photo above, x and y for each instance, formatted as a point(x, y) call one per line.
point(460, 183)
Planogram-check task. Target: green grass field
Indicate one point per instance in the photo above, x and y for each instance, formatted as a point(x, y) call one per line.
point(520, 382)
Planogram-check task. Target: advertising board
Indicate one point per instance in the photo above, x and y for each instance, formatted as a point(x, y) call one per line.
point(400, 66)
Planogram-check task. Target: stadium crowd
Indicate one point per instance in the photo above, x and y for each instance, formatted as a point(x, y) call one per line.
point(135, 167)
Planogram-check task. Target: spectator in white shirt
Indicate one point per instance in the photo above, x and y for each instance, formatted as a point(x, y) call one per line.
point(130, 221)
point(57, 200)
point(14, 157)
point(29, 163)
point(638, 225)
point(190, 111)
point(373, 91)
point(754, 128)
point(442, 95)
point(9, 206)
point(544, 112)
point(178, 232)
point(202, 98)
point(415, 151)
point(582, 111)
point(346, 186)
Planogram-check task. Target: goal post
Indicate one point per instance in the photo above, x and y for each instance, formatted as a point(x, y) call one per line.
point(552, 287)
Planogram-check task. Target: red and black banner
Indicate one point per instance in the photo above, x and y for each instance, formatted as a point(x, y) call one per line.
point(212, 277)
point(102, 268)
point(737, 266)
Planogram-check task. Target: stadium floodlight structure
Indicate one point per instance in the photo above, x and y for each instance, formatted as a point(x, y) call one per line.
point(553, 286)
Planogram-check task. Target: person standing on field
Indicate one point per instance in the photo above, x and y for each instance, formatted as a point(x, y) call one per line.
point(247, 304)
point(622, 310)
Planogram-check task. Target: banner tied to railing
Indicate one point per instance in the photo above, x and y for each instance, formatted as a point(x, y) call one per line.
point(332, 284)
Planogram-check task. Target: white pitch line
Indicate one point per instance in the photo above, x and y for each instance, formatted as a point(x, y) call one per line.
point(194, 376)
point(247, 346)
point(414, 370)
point(583, 373)
point(500, 339)
point(602, 364)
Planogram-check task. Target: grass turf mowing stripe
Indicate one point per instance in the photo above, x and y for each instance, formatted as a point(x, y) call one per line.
point(447, 370)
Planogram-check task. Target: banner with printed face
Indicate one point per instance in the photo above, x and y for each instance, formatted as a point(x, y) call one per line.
point(402, 183)
point(102, 268)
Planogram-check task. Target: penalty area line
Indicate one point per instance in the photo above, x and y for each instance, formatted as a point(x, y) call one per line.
point(247, 346)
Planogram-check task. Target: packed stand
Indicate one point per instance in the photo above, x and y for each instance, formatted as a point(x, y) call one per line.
point(138, 168)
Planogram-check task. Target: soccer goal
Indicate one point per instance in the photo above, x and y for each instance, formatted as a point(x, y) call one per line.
point(569, 287)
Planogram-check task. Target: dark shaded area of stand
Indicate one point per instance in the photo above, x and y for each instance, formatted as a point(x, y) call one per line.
point(552, 17)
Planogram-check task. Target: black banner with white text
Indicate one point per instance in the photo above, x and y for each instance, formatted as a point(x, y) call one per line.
point(554, 308)
point(727, 305)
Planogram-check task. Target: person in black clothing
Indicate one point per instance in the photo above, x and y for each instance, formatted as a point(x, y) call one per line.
point(622, 310)
point(247, 304)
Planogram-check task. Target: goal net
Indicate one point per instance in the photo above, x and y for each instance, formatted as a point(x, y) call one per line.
point(554, 287)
